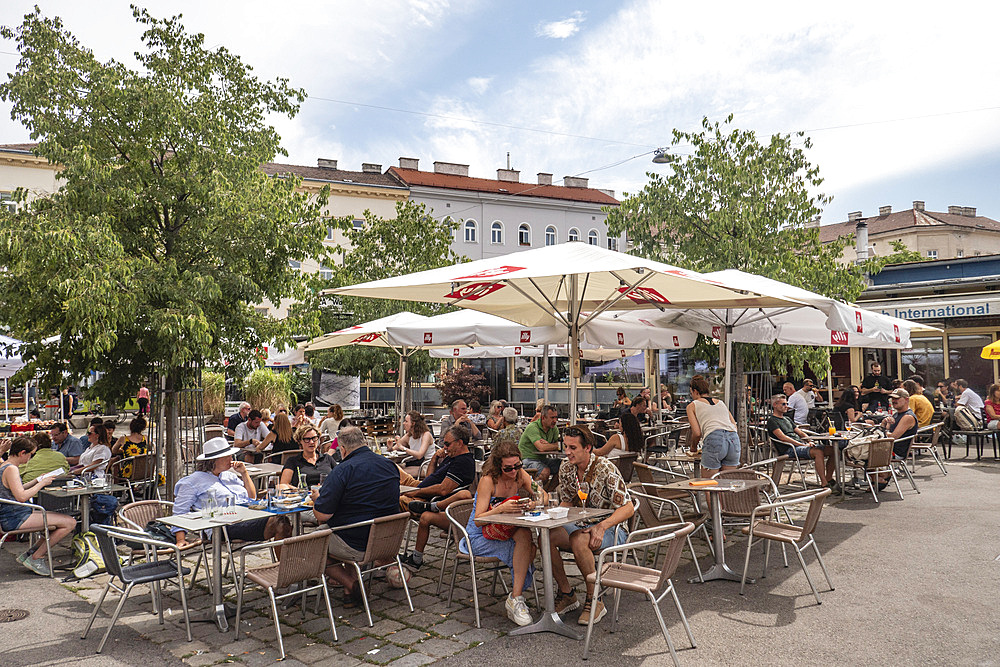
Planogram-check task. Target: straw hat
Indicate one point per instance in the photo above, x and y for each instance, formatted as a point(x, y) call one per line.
point(216, 448)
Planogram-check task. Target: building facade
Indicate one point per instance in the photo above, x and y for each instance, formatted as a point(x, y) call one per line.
point(501, 216)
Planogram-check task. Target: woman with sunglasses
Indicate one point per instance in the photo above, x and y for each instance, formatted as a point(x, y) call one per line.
point(416, 441)
point(310, 462)
point(506, 488)
point(98, 451)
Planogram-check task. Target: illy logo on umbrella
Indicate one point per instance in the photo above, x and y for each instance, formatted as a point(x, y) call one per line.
point(526, 336)
point(677, 343)
point(621, 338)
point(517, 351)
point(454, 352)
point(717, 333)
point(367, 338)
point(838, 338)
point(473, 291)
point(428, 338)
point(857, 317)
point(895, 331)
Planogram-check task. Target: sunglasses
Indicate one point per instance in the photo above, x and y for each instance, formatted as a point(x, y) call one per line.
point(573, 432)
point(310, 438)
point(516, 466)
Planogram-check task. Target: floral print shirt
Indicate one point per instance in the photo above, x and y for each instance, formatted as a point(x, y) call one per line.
point(605, 486)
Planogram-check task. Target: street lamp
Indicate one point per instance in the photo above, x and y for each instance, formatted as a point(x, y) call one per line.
point(660, 156)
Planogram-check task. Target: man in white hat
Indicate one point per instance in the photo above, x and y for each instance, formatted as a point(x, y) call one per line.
point(219, 477)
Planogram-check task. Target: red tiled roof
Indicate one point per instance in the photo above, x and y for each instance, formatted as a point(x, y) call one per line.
point(412, 177)
point(905, 221)
point(328, 174)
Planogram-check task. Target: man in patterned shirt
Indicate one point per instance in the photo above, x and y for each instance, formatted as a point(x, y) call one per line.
point(587, 480)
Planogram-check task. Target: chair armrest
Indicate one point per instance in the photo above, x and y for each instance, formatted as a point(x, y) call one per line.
point(141, 538)
point(797, 498)
point(658, 499)
point(613, 551)
point(654, 530)
point(369, 522)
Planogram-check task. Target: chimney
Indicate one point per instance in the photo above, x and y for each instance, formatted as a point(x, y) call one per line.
point(969, 211)
point(812, 224)
point(884, 210)
point(509, 175)
point(544, 179)
point(451, 168)
point(409, 163)
point(325, 163)
point(610, 193)
point(918, 205)
point(956, 210)
point(854, 216)
point(575, 182)
point(369, 168)
point(861, 240)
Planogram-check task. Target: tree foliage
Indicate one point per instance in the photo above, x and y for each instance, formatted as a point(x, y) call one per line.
point(383, 248)
point(164, 231)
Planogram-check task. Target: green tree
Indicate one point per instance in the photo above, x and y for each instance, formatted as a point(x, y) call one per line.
point(383, 248)
point(164, 231)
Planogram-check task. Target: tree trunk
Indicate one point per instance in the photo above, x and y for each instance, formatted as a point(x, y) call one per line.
point(740, 393)
point(174, 462)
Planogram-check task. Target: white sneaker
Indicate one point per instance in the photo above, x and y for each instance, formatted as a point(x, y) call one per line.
point(38, 566)
point(517, 610)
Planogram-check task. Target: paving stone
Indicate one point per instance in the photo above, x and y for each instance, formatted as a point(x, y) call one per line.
point(384, 627)
point(440, 648)
point(417, 619)
point(450, 627)
point(338, 660)
point(294, 642)
point(386, 654)
point(241, 646)
point(317, 626)
point(261, 658)
point(360, 647)
point(477, 636)
point(189, 648)
point(202, 659)
point(413, 660)
point(312, 653)
point(408, 636)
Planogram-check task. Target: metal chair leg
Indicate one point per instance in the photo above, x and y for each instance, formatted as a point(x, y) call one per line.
point(114, 617)
point(805, 571)
point(277, 626)
point(406, 587)
point(821, 563)
point(746, 562)
point(680, 610)
point(663, 628)
point(97, 607)
point(694, 557)
point(364, 594)
point(329, 609)
point(590, 623)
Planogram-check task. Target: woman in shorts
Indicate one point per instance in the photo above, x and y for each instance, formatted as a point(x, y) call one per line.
point(713, 425)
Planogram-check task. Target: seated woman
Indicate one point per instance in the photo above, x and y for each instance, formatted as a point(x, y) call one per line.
point(622, 400)
point(280, 439)
point(415, 441)
point(848, 405)
point(503, 478)
point(218, 477)
point(330, 424)
point(495, 418)
point(133, 444)
point(98, 454)
point(992, 407)
point(14, 517)
point(310, 462)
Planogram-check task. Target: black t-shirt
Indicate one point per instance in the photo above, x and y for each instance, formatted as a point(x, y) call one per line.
point(876, 400)
point(461, 468)
point(234, 421)
point(632, 431)
point(297, 464)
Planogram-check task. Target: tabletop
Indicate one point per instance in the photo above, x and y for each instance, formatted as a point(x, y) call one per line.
point(261, 469)
point(575, 514)
point(724, 485)
point(683, 456)
point(194, 521)
point(64, 492)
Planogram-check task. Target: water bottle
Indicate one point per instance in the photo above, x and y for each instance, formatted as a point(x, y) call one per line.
point(303, 486)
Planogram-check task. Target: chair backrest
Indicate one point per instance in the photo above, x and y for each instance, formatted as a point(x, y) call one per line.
point(880, 453)
point(812, 514)
point(386, 536)
point(675, 542)
point(650, 507)
point(109, 552)
point(740, 503)
point(140, 513)
point(283, 456)
point(626, 464)
point(643, 472)
point(215, 431)
point(303, 557)
point(935, 434)
point(460, 511)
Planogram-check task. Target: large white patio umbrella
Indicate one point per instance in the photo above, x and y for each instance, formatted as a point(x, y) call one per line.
point(568, 284)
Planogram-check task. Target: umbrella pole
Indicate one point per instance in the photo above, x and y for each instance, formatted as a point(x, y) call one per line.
point(545, 374)
point(6, 402)
point(727, 341)
point(574, 346)
point(656, 387)
point(829, 381)
point(403, 360)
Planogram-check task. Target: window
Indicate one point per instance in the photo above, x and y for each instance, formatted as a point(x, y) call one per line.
point(7, 202)
point(592, 237)
point(959, 253)
point(470, 231)
point(261, 310)
point(295, 264)
point(550, 235)
point(325, 272)
point(932, 254)
point(612, 243)
point(496, 233)
point(359, 224)
point(329, 233)
point(574, 234)
point(523, 234)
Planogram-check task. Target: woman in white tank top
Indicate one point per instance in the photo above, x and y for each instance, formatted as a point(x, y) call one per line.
point(713, 425)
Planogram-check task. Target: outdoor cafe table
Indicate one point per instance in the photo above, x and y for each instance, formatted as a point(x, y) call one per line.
point(549, 621)
point(685, 457)
point(720, 570)
point(83, 493)
point(836, 439)
point(194, 522)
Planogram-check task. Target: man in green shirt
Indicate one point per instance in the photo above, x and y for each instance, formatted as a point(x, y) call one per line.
point(541, 436)
point(45, 459)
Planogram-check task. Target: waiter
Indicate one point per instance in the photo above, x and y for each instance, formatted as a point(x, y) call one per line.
point(875, 389)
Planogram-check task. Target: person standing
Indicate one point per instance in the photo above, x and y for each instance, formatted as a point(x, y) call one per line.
point(66, 404)
point(142, 398)
point(712, 423)
point(875, 389)
point(797, 405)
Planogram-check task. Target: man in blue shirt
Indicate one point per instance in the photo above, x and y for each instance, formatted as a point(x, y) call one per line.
point(66, 444)
point(364, 486)
point(452, 467)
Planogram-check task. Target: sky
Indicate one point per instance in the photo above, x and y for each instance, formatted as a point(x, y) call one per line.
point(899, 105)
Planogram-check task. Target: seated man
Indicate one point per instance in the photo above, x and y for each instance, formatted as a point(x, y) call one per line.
point(793, 441)
point(459, 415)
point(44, 460)
point(251, 433)
point(587, 480)
point(66, 444)
point(798, 409)
point(541, 436)
point(903, 423)
point(451, 468)
point(219, 477)
point(364, 486)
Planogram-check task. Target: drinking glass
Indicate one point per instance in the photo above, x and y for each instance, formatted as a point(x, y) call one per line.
point(583, 492)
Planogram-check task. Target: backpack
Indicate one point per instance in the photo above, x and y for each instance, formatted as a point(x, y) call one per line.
point(88, 556)
point(967, 419)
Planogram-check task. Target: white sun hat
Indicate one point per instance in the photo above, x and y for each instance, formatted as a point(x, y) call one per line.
point(216, 448)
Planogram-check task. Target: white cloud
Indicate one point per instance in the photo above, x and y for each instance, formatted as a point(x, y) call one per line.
point(479, 84)
point(561, 29)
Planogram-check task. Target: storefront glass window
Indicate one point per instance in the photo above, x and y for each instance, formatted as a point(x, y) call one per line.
point(964, 361)
point(925, 358)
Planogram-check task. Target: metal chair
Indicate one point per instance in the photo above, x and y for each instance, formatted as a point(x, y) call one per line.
point(879, 460)
point(151, 572)
point(141, 474)
point(458, 514)
point(136, 515)
point(384, 540)
point(625, 463)
point(797, 462)
point(281, 456)
point(621, 576)
point(303, 559)
point(922, 445)
point(764, 526)
point(899, 462)
point(43, 529)
point(651, 513)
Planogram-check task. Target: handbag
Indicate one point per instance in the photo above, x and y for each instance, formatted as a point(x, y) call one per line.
point(499, 531)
